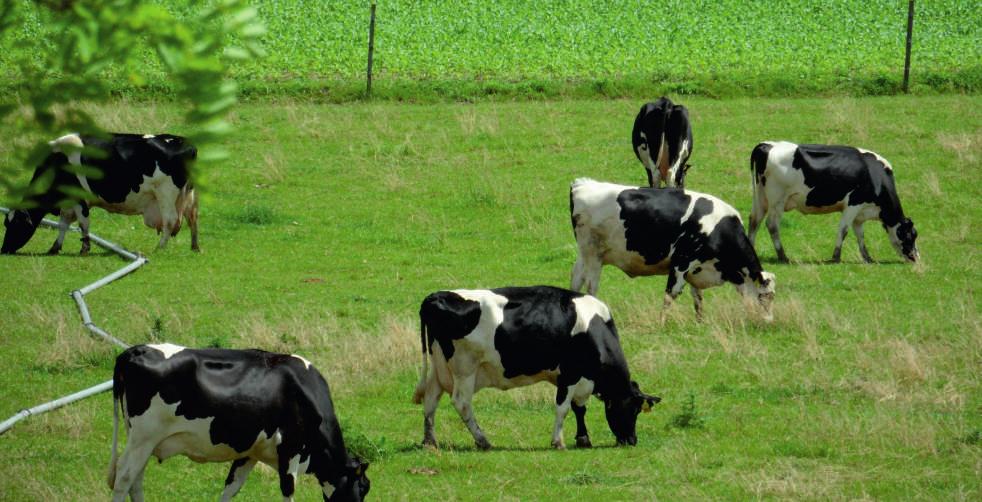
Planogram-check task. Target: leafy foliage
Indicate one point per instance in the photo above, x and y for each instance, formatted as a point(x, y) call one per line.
point(68, 53)
point(465, 49)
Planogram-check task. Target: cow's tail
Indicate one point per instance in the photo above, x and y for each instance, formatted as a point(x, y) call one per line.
point(758, 164)
point(112, 458)
point(421, 386)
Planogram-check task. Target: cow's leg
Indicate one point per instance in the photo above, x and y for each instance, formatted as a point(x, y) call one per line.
point(463, 394)
point(136, 491)
point(848, 216)
point(676, 282)
point(431, 398)
point(581, 394)
point(237, 477)
point(697, 300)
point(564, 398)
point(82, 212)
point(586, 272)
point(65, 219)
point(191, 215)
point(288, 474)
point(857, 228)
point(582, 436)
point(774, 227)
point(758, 211)
point(130, 470)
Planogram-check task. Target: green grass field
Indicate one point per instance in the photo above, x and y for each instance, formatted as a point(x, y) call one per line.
point(332, 222)
point(442, 49)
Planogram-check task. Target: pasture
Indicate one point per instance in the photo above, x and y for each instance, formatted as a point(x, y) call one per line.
point(332, 222)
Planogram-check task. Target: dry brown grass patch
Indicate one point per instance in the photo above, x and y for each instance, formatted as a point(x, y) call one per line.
point(965, 146)
point(69, 346)
point(796, 479)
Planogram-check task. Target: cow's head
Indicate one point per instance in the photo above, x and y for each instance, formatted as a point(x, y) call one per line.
point(622, 413)
point(903, 236)
point(765, 294)
point(20, 225)
point(352, 486)
point(758, 292)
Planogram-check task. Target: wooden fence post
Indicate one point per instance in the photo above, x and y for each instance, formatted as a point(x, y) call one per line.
point(371, 49)
point(910, 31)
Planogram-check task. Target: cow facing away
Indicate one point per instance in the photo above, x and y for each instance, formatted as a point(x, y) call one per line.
point(239, 406)
point(146, 175)
point(828, 178)
point(662, 139)
point(690, 236)
point(513, 337)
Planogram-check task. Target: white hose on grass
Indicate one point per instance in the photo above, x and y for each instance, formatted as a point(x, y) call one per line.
point(136, 262)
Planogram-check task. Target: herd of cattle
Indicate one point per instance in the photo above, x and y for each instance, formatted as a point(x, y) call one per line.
point(249, 406)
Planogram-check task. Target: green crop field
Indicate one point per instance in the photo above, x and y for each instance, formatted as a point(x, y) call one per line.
point(332, 222)
point(470, 49)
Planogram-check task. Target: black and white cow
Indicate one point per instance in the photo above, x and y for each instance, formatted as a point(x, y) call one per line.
point(138, 174)
point(662, 139)
point(239, 406)
point(513, 337)
point(690, 236)
point(823, 179)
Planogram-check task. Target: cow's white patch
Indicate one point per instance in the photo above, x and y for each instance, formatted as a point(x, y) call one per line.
point(886, 164)
point(172, 434)
point(709, 221)
point(148, 136)
point(683, 155)
point(587, 307)
point(328, 489)
point(71, 145)
point(168, 349)
point(298, 467)
point(306, 363)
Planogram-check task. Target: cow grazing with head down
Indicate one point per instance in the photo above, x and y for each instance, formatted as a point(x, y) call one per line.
point(828, 178)
point(513, 337)
point(662, 139)
point(146, 175)
point(239, 406)
point(690, 236)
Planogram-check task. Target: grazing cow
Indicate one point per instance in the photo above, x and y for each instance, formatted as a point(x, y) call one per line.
point(145, 175)
point(692, 237)
point(662, 139)
point(239, 406)
point(513, 337)
point(826, 178)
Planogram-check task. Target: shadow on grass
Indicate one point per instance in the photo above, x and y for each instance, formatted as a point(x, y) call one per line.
point(104, 252)
point(456, 447)
point(772, 260)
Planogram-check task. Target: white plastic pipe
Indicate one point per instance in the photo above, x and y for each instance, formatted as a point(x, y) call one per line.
point(137, 261)
point(57, 403)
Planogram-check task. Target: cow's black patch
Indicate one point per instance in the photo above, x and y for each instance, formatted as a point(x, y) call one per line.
point(652, 220)
point(833, 171)
point(654, 229)
point(247, 392)
point(446, 317)
point(535, 333)
point(758, 162)
point(125, 159)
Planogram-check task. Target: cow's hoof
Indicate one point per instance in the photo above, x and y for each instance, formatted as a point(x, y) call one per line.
point(53, 251)
point(559, 445)
point(583, 442)
point(483, 444)
point(429, 443)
